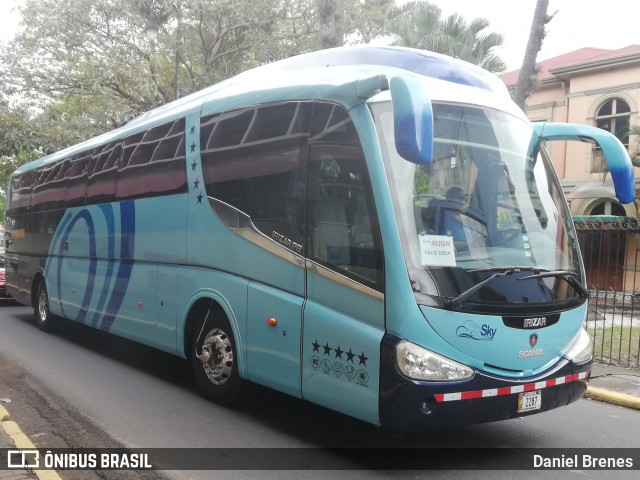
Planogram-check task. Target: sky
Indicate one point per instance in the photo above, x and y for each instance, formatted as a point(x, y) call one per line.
point(610, 24)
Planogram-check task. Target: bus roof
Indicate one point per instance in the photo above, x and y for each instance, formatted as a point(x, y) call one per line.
point(421, 62)
point(333, 75)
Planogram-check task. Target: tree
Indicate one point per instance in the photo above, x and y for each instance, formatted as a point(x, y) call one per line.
point(368, 19)
point(536, 36)
point(331, 16)
point(634, 152)
point(420, 25)
point(98, 49)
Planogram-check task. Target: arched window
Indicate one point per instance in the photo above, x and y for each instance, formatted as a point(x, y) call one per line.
point(613, 116)
point(608, 208)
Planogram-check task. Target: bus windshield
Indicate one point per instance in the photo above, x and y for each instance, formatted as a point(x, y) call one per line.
point(485, 207)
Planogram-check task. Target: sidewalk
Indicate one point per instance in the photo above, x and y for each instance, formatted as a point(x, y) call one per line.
point(11, 437)
point(616, 385)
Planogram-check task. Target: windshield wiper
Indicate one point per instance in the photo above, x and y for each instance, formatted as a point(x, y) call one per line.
point(455, 302)
point(569, 276)
point(515, 269)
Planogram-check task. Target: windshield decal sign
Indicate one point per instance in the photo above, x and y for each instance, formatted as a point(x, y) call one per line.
point(437, 250)
point(470, 329)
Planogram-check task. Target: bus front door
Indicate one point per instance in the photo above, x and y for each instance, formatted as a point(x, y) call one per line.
point(344, 311)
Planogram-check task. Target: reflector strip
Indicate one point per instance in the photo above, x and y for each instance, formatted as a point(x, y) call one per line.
point(495, 392)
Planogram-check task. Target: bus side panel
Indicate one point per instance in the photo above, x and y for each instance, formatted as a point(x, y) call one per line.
point(104, 264)
point(343, 329)
point(274, 324)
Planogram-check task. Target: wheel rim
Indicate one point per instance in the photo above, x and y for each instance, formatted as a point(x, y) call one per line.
point(43, 305)
point(217, 356)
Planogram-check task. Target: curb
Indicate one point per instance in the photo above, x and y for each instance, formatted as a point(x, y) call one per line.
point(22, 442)
point(610, 396)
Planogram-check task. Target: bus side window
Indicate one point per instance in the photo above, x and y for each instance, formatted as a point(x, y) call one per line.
point(77, 176)
point(343, 228)
point(253, 160)
point(153, 162)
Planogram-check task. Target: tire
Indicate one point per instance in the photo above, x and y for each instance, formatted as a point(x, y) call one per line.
point(44, 319)
point(213, 353)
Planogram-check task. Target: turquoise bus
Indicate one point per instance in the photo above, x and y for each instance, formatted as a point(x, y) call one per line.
point(376, 230)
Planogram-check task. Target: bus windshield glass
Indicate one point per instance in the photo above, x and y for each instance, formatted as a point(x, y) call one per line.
point(486, 206)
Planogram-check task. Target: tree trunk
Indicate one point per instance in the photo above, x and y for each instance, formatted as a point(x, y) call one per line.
point(331, 15)
point(536, 35)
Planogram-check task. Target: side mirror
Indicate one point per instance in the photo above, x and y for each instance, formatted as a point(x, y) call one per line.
point(412, 119)
point(614, 152)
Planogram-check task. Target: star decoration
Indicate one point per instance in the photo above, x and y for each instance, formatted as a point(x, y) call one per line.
point(316, 346)
point(350, 355)
point(338, 352)
point(363, 359)
point(196, 182)
point(193, 128)
point(193, 166)
point(193, 147)
point(199, 198)
point(327, 349)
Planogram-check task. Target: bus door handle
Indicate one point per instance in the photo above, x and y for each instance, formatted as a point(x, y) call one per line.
point(66, 246)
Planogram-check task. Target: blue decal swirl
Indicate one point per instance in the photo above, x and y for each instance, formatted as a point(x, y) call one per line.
point(127, 244)
point(93, 261)
point(111, 298)
point(107, 211)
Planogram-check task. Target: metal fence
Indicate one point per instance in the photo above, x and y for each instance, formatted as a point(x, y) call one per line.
point(611, 253)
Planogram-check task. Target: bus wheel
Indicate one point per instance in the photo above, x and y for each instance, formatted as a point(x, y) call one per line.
point(44, 319)
point(213, 359)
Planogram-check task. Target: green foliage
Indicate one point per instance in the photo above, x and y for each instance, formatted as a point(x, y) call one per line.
point(421, 184)
point(616, 344)
point(79, 68)
point(634, 148)
point(420, 25)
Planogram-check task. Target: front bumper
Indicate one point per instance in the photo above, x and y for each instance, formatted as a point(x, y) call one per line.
point(409, 406)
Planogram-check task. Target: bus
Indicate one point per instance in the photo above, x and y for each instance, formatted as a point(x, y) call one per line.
point(376, 230)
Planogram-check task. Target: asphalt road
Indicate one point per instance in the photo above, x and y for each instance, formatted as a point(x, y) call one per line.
point(80, 387)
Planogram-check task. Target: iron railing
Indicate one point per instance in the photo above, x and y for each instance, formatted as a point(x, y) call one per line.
point(611, 252)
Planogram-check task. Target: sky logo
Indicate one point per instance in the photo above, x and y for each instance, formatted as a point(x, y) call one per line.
point(470, 329)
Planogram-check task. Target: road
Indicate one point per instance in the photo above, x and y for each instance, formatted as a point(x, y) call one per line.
point(81, 387)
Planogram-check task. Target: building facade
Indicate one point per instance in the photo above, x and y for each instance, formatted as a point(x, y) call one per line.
point(597, 87)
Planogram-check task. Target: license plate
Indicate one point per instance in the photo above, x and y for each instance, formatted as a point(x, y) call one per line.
point(529, 401)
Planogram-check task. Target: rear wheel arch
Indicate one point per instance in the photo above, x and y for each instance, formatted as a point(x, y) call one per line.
point(38, 278)
point(214, 351)
point(196, 309)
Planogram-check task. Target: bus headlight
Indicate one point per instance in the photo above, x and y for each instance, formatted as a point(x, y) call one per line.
point(418, 363)
point(582, 349)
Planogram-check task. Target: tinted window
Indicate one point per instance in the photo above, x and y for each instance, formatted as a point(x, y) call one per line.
point(145, 164)
point(77, 176)
point(253, 161)
point(343, 227)
point(50, 190)
point(21, 189)
point(344, 233)
point(153, 162)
